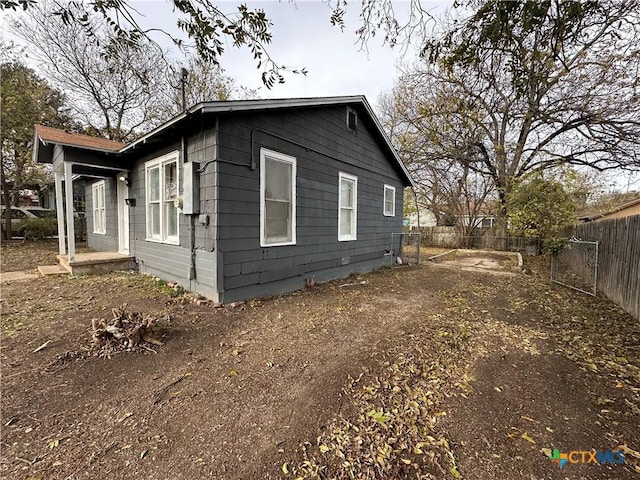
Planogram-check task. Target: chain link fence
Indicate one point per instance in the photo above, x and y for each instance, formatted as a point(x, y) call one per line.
point(449, 237)
point(405, 248)
point(575, 265)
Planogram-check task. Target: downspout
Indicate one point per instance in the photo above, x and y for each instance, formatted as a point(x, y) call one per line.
point(216, 214)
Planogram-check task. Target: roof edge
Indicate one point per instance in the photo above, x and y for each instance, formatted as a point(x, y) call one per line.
point(263, 104)
point(617, 209)
point(387, 140)
point(38, 138)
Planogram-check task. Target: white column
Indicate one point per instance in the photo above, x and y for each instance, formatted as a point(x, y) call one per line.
point(60, 212)
point(68, 187)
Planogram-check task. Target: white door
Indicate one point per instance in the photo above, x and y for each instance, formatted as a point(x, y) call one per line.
point(123, 215)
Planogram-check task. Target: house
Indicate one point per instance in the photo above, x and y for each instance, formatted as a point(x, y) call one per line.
point(240, 199)
point(626, 209)
point(425, 216)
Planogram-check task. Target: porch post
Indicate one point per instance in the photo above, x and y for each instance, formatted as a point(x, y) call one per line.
point(60, 213)
point(68, 187)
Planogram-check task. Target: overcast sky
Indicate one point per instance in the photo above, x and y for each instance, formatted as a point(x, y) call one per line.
point(304, 37)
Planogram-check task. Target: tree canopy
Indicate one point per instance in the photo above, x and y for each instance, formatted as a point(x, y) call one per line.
point(523, 87)
point(114, 86)
point(540, 207)
point(208, 28)
point(25, 99)
point(118, 90)
point(204, 22)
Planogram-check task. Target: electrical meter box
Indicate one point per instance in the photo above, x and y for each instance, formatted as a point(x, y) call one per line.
point(190, 188)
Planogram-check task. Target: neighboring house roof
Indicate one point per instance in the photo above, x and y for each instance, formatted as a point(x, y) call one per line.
point(619, 208)
point(68, 139)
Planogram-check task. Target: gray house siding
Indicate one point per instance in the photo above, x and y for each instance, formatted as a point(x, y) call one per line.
point(173, 262)
point(109, 241)
point(58, 157)
point(323, 147)
point(223, 260)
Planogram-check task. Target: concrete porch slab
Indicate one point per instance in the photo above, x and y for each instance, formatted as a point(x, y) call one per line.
point(96, 263)
point(52, 270)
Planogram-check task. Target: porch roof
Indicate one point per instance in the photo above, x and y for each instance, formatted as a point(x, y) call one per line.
point(46, 137)
point(62, 137)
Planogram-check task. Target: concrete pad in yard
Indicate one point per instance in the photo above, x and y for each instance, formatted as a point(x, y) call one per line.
point(52, 270)
point(15, 276)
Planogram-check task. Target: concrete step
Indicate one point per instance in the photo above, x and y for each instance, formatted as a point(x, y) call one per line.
point(52, 270)
point(96, 263)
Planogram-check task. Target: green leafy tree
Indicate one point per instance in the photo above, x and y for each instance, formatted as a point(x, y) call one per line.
point(540, 207)
point(409, 207)
point(26, 99)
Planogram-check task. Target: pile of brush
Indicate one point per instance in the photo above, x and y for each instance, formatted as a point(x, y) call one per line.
point(126, 331)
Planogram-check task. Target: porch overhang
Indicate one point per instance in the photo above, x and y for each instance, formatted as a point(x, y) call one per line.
point(73, 156)
point(47, 138)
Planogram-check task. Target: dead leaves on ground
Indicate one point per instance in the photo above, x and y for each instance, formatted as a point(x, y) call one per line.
point(394, 431)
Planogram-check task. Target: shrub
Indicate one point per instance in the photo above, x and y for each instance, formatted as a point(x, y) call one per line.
point(38, 228)
point(554, 245)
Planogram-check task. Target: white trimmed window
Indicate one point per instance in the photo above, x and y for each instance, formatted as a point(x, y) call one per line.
point(347, 207)
point(277, 199)
point(161, 180)
point(389, 201)
point(99, 213)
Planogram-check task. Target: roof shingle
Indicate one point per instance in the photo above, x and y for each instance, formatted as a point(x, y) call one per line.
point(55, 135)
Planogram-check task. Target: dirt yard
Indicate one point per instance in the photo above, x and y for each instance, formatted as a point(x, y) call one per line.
point(412, 372)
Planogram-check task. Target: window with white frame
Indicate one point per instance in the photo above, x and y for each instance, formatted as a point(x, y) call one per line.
point(99, 213)
point(347, 207)
point(161, 180)
point(389, 201)
point(277, 199)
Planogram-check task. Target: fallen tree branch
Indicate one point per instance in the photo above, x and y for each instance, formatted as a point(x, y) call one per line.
point(42, 347)
point(160, 393)
point(125, 331)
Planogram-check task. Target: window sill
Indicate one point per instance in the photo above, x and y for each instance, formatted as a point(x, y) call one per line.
point(279, 244)
point(163, 242)
point(389, 214)
point(347, 239)
point(98, 233)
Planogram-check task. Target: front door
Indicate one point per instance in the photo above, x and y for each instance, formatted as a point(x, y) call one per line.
point(123, 214)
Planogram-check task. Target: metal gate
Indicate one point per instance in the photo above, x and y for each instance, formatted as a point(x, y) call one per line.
point(405, 248)
point(575, 265)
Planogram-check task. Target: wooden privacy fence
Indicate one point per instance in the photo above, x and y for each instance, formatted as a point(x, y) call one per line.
point(618, 259)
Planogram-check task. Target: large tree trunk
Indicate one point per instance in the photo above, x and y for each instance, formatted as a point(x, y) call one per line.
point(7, 233)
point(501, 225)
